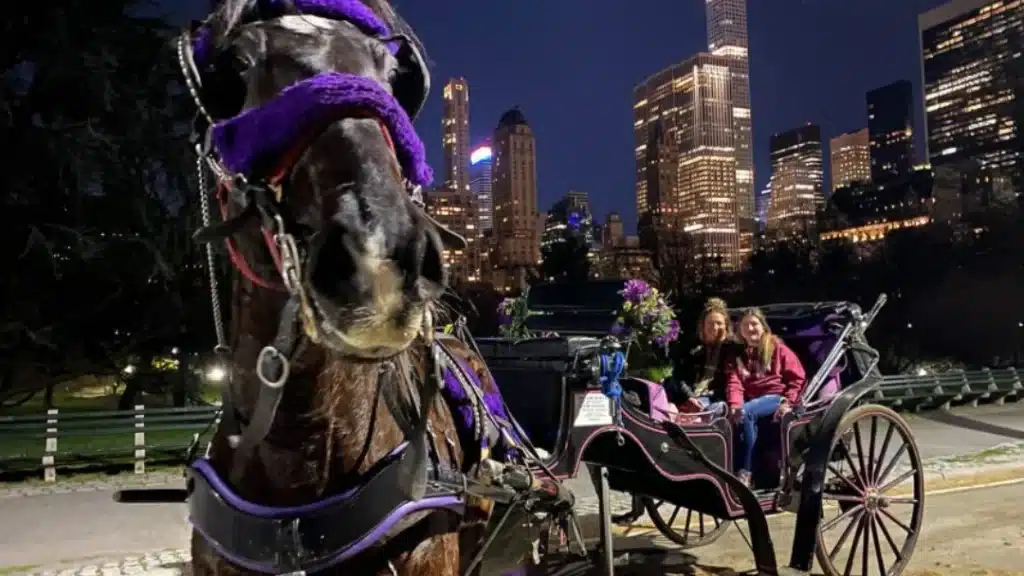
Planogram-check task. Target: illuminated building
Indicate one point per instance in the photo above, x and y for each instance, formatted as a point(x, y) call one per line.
point(569, 217)
point(727, 37)
point(851, 158)
point(763, 200)
point(480, 186)
point(455, 211)
point(891, 130)
point(455, 135)
point(514, 189)
point(972, 76)
point(796, 181)
point(684, 113)
point(612, 233)
point(863, 213)
point(626, 259)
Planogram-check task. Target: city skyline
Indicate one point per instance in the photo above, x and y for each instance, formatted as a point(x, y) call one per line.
point(552, 88)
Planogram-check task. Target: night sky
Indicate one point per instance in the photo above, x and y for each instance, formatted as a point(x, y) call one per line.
point(571, 66)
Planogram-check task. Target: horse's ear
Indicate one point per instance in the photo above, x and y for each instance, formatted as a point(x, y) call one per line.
point(226, 17)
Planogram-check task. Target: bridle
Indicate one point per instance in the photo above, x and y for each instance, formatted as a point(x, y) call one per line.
point(235, 148)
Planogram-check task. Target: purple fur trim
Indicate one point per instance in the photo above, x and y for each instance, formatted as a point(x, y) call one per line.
point(263, 134)
point(352, 11)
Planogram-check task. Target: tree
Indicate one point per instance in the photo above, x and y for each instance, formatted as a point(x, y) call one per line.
point(104, 268)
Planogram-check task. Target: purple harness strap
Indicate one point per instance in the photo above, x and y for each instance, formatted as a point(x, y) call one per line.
point(265, 133)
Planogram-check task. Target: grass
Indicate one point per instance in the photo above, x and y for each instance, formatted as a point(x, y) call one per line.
point(77, 450)
point(17, 569)
point(986, 454)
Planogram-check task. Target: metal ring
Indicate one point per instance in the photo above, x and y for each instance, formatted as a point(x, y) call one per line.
point(269, 352)
point(221, 349)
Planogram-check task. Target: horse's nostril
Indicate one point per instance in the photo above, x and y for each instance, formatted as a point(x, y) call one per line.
point(334, 268)
point(432, 264)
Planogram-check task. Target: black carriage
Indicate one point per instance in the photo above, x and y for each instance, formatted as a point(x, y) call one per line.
point(833, 462)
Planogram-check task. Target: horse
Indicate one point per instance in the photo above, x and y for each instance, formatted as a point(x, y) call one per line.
point(332, 417)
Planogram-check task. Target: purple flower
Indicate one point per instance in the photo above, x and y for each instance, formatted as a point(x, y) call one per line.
point(635, 290)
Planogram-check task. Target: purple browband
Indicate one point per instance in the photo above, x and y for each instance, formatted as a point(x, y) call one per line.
point(265, 133)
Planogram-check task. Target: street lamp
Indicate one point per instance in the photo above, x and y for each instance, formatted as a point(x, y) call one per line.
point(174, 351)
point(216, 374)
point(129, 369)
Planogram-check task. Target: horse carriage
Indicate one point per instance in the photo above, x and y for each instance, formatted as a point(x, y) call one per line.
point(355, 438)
point(849, 470)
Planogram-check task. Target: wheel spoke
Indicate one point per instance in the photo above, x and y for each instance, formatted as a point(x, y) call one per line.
point(891, 466)
point(871, 456)
point(865, 551)
point(860, 453)
point(842, 477)
point(897, 481)
point(882, 453)
point(854, 545)
point(892, 543)
point(896, 520)
point(700, 520)
point(855, 511)
point(846, 533)
point(853, 467)
point(878, 548)
point(672, 518)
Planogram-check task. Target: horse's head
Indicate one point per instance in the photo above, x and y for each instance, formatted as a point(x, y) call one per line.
point(312, 99)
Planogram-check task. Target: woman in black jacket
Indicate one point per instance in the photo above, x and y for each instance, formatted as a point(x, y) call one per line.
point(698, 372)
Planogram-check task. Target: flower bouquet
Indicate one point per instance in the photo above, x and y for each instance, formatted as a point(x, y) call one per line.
point(647, 324)
point(512, 314)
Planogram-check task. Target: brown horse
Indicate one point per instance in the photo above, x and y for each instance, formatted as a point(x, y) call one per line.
point(336, 266)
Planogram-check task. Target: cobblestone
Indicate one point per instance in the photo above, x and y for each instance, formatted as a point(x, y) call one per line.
point(173, 562)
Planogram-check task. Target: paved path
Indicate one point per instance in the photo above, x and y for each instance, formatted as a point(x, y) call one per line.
point(63, 527)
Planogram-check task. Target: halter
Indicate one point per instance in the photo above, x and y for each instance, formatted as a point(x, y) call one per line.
point(410, 482)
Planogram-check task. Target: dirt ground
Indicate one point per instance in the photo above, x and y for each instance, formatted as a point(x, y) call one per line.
point(976, 532)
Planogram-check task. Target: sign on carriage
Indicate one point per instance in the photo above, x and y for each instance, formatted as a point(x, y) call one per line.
point(595, 410)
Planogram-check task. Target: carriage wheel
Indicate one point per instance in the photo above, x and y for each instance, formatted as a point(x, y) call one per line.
point(873, 496)
point(698, 530)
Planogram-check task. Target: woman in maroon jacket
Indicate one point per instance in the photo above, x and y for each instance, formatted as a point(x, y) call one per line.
point(766, 379)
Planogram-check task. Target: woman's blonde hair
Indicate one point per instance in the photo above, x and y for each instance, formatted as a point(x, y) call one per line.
point(766, 347)
point(713, 306)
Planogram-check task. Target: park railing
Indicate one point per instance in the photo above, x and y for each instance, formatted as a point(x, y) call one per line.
point(71, 441)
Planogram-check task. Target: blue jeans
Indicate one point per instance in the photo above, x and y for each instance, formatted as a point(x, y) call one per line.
point(708, 404)
point(753, 410)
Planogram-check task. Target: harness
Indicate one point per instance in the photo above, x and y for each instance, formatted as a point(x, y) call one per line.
point(252, 154)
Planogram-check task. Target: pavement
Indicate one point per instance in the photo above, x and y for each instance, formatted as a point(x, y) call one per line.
point(74, 528)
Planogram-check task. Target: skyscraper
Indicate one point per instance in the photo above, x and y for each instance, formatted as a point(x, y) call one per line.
point(851, 158)
point(891, 130)
point(480, 161)
point(727, 37)
point(455, 203)
point(514, 189)
point(683, 124)
point(796, 180)
point(455, 135)
point(973, 78)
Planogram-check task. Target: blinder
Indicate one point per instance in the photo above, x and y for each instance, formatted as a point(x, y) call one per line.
point(410, 87)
